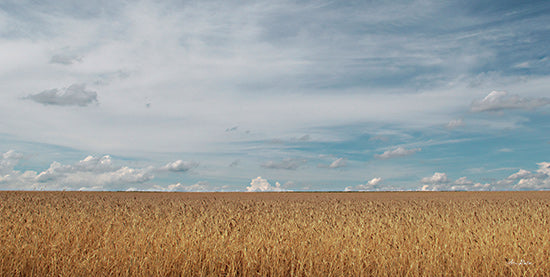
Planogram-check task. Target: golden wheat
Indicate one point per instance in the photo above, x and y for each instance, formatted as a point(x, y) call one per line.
point(275, 234)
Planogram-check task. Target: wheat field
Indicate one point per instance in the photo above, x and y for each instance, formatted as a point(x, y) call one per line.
point(275, 234)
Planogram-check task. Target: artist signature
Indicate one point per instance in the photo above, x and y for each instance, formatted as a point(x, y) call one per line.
point(521, 262)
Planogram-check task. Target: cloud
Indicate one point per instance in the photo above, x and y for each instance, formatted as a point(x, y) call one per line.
point(501, 100)
point(437, 178)
point(282, 70)
point(232, 129)
point(397, 152)
point(91, 173)
point(198, 187)
point(526, 180)
point(521, 180)
point(379, 138)
point(287, 164)
point(440, 182)
point(9, 160)
point(65, 59)
point(180, 166)
point(74, 95)
point(340, 162)
point(98, 172)
point(373, 185)
point(11, 178)
point(260, 184)
point(455, 123)
point(89, 164)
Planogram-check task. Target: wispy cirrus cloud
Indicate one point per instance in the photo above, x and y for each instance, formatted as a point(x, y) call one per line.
point(502, 100)
point(172, 76)
point(397, 152)
point(287, 164)
point(338, 163)
point(456, 123)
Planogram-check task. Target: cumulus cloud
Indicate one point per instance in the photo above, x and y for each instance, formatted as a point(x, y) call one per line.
point(9, 160)
point(440, 182)
point(198, 187)
point(501, 100)
point(10, 178)
point(521, 180)
point(180, 166)
point(437, 178)
point(74, 95)
point(373, 185)
point(97, 172)
point(527, 180)
point(397, 152)
point(287, 164)
point(260, 184)
point(455, 123)
point(91, 173)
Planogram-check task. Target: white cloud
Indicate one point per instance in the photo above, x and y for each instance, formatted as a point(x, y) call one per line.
point(455, 123)
point(74, 95)
point(11, 178)
point(544, 168)
point(440, 182)
point(340, 162)
point(260, 184)
point(198, 187)
point(9, 160)
point(287, 164)
point(91, 173)
point(373, 185)
point(177, 50)
point(437, 178)
point(180, 166)
point(397, 152)
point(522, 173)
point(97, 172)
point(501, 100)
point(525, 180)
point(207, 66)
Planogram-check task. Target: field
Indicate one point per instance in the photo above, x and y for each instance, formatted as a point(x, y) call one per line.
point(275, 234)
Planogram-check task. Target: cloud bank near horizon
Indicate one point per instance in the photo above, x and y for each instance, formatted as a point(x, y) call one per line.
point(102, 173)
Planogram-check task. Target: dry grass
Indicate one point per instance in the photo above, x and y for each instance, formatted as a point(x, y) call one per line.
point(281, 234)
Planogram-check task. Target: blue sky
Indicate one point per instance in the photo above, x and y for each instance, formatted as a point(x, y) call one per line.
point(309, 95)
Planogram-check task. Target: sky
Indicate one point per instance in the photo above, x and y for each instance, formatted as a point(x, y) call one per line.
point(274, 95)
